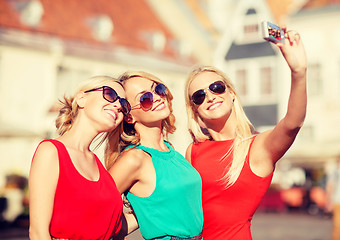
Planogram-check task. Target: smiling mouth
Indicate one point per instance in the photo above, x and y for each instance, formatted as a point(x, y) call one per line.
point(214, 106)
point(112, 113)
point(159, 107)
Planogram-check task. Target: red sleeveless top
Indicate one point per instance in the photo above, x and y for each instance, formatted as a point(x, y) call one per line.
point(84, 209)
point(227, 212)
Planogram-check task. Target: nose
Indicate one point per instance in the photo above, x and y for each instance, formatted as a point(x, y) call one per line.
point(116, 104)
point(209, 96)
point(156, 97)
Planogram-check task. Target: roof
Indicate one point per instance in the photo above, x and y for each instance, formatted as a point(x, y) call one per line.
point(312, 4)
point(284, 8)
point(252, 50)
point(70, 20)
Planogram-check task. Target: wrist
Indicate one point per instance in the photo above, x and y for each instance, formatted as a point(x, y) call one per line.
point(300, 72)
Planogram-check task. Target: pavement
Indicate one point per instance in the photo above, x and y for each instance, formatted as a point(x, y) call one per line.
point(283, 226)
point(265, 226)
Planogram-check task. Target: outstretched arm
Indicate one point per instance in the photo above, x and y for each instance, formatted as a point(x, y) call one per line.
point(270, 146)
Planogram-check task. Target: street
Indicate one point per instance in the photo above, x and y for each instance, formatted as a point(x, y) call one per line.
point(283, 226)
point(265, 226)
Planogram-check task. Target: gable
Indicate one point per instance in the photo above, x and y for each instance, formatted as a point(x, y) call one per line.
point(251, 50)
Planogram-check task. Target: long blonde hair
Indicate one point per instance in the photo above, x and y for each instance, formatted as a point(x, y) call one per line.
point(129, 135)
point(69, 110)
point(244, 128)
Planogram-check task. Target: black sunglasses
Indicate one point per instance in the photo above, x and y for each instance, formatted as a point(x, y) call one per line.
point(217, 87)
point(110, 95)
point(146, 100)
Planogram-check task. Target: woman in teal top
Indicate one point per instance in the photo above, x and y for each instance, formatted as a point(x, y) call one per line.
point(163, 189)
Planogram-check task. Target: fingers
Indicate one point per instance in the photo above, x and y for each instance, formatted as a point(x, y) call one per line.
point(292, 36)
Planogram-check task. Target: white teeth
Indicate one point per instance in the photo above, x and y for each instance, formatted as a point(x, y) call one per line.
point(112, 113)
point(159, 106)
point(213, 106)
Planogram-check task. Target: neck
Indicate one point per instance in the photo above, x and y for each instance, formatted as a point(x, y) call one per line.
point(151, 137)
point(79, 137)
point(222, 129)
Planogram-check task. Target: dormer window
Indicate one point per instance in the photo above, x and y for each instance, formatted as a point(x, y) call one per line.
point(31, 12)
point(102, 28)
point(182, 48)
point(158, 41)
point(155, 39)
point(250, 31)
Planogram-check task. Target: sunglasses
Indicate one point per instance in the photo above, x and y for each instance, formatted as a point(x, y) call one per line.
point(217, 87)
point(146, 100)
point(110, 95)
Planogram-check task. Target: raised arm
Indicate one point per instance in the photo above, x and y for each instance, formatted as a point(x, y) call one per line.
point(42, 186)
point(270, 146)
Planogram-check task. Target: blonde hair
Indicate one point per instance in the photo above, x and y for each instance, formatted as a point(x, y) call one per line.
point(129, 134)
point(244, 128)
point(69, 110)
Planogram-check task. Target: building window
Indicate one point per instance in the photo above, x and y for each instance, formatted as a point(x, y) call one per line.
point(314, 80)
point(241, 82)
point(250, 29)
point(266, 83)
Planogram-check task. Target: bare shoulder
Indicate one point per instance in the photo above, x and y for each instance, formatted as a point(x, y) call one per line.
point(46, 152)
point(259, 157)
point(260, 140)
point(133, 158)
point(45, 165)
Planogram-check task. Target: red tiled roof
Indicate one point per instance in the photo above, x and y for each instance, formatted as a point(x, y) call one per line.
point(319, 3)
point(68, 20)
point(283, 8)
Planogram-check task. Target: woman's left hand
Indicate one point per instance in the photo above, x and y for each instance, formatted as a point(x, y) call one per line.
point(294, 51)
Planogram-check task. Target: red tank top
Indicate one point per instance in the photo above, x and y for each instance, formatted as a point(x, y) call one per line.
point(227, 212)
point(84, 209)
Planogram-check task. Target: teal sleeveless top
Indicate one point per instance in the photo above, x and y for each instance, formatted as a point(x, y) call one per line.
point(175, 206)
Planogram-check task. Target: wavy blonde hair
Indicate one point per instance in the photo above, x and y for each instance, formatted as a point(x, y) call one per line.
point(130, 135)
point(69, 110)
point(244, 129)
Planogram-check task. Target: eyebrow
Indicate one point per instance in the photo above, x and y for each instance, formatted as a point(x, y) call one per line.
point(144, 91)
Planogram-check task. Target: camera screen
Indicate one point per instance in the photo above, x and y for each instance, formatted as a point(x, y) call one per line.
point(274, 31)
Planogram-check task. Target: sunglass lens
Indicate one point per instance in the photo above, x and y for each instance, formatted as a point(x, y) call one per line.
point(146, 101)
point(161, 90)
point(198, 97)
point(126, 108)
point(217, 87)
point(109, 94)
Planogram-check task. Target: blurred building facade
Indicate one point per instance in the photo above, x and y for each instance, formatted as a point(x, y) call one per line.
point(47, 47)
point(263, 79)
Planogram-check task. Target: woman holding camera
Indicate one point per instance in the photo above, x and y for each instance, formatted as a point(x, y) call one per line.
point(236, 163)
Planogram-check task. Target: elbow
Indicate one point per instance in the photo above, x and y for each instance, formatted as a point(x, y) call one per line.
point(294, 123)
point(293, 127)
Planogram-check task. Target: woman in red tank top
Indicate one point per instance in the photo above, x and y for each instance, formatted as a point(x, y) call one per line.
point(72, 196)
point(235, 163)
